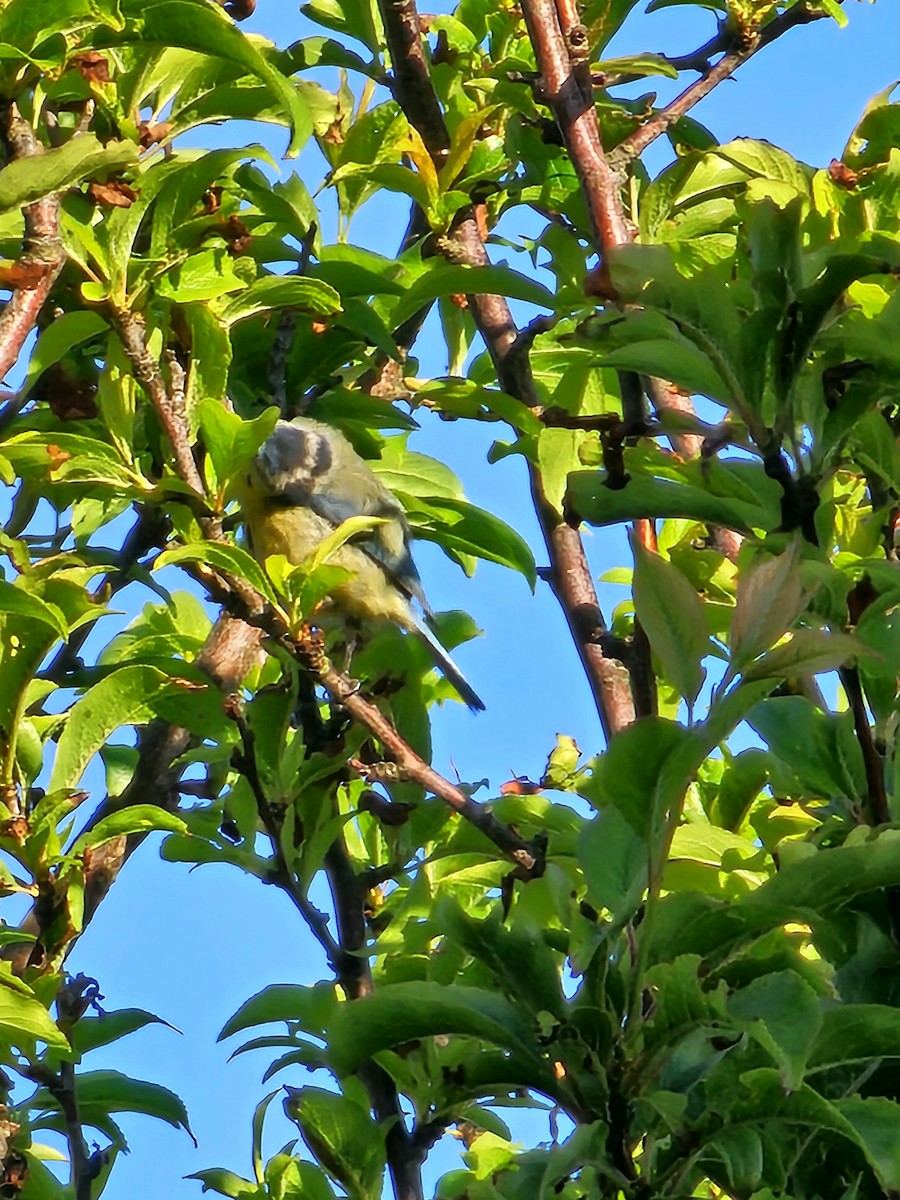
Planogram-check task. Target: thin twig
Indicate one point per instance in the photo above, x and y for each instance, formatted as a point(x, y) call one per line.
point(411, 766)
point(879, 812)
point(285, 328)
point(286, 880)
point(638, 141)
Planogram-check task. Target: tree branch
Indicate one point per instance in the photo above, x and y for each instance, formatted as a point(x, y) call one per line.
point(230, 650)
point(561, 47)
point(170, 412)
point(562, 55)
point(570, 573)
point(404, 1157)
point(411, 766)
point(346, 957)
point(43, 255)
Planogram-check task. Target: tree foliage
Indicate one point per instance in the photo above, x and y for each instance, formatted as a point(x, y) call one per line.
point(682, 946)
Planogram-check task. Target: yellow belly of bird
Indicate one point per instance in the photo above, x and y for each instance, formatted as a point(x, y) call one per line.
point(367, 595)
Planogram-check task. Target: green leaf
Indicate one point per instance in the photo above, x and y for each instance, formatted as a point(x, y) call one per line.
point(27, 23)
point(876, 1120)
point(589, 498)
point(447, 280)
point(30, 452)
point(21, 1015)
point(638, 64)
point(463, 529)
point(25, 180)
point(649, 343)
point(701, 842)
point(40, 1182)
point(231, 442)
point(783, 1013)
point(766, 161)
point(25, 604)
point(764, 1099)
point(259, 1118)
point(67, 331)
point(818, 751)
point(138, 818)
point(615, 863)
point(101, 1092)
point(347, 530)
point(210, 360)
point(740, 1151)
point(117, 398)
point(126, 697)
point(231, 560)
point(462, 398)
point(308, 295)
point(827, 879)
point(413, 474)
point(354, 18)
point(770, 597)
point(207, 30)
point(806, 652)
point(289, 1178)
point(93, 1032)
point(626, 774)
point(503, 951)
point(204, 275)
point(310, 1006)
point(672, 615)
point(399, 1012)
point(488, 1154)
point(342, 1136)
point(855, 1033)
point(351, 278)
point(226, 1183)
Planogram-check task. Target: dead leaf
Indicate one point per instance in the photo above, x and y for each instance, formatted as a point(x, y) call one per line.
point(57, 457)
point(520, 785)
point(149, 134)
point(92, 65)
point(114, 194)
point(842, 175)
point(68, 397)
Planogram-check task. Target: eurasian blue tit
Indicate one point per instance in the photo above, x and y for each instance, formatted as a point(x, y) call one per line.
point(304, 482)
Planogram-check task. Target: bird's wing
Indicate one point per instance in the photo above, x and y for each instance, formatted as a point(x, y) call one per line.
point(387, 544)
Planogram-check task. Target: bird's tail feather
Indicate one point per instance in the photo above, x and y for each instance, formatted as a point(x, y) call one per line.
point(449, 668)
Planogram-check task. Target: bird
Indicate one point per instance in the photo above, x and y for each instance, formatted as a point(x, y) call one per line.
point(305, 480)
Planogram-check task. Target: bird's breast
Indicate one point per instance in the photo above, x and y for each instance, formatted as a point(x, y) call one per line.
point(368, 594)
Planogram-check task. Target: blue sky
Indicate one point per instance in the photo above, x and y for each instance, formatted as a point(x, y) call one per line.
point(192, 946)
